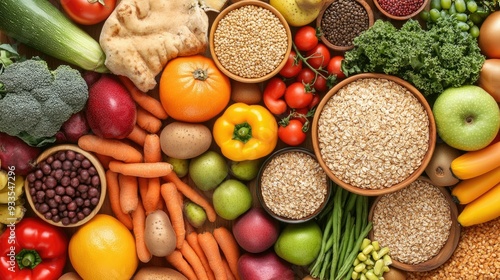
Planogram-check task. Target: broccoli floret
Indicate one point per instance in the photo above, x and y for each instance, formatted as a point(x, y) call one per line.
point(35, 101)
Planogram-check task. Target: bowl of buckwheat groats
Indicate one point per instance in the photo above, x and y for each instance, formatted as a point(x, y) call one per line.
point(250, 41)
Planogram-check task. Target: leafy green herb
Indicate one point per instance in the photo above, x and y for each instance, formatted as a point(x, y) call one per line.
point(432, 60)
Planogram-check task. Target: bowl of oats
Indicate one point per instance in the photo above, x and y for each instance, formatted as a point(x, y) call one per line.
point(373, 134)
point(291, 185)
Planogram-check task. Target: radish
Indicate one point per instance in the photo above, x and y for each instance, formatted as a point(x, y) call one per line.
point(16, 155)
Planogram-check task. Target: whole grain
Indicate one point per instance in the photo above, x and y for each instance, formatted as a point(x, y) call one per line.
point(293, 185)
point(413, 222)
point(373, 133)
point(250, 41)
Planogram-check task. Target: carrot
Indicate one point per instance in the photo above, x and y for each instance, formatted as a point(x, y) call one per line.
point(229, 273)
point(176, 259)
point(152, 148)
point(211, 249)
point(139, 223)
point(142, 169)
point(104, 160)
point(143, 187)
point(148, 121)
point(113, 192)
point(138, 135)
point(129, 198)
point(193, 259)
point(152, 196)
point(117, 149)
point(143, 99)
point(230, 248)
point(192, 239)
point(174, 208)
point(192, 195)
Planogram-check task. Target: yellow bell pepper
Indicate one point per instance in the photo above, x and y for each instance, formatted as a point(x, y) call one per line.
point(246, 132)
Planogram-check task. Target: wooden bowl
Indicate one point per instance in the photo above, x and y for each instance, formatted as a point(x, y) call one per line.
point(238, 5)
point(448, 248)
point(100, 171)
point(372, 191)
point(284, 170)
point(371, 20)
point(395, 17)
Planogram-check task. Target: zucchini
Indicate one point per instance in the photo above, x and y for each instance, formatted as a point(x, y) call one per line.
point(40, 25)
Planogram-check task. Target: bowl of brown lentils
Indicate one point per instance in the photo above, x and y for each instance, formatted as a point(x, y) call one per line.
point(250, 41)
point(399, 9)
point(67, 187)
point(340, 21)
point(291, 185)
point(373, 134)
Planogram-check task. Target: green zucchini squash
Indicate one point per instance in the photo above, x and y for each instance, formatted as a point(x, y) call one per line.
point(40, 25)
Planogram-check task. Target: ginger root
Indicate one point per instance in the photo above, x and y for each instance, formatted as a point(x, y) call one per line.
point(141, 36)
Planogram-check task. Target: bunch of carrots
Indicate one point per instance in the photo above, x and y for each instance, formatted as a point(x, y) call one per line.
point(139, 182)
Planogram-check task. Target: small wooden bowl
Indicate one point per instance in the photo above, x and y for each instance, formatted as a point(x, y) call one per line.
point(412, 177)
point(448, 248)
point(97, 165)
point(371, 20)
point(261, 198)
point(235, 6)
point(394, 17)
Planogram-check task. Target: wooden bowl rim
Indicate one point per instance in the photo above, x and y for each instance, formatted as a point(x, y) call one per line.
point(235, 6)
point(100, 170)
point(389, 15)
point(447, 249)
point(261, 199)
point(409, 179)
point(371, 20)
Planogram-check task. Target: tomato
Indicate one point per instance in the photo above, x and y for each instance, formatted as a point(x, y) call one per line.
point(305, 38)
point(272, 96)
point(292, 67)
point(314, 102)
point(296, 96)
point(334, 67)
point(88, 12)
point(306, 76)
point(319, 56)
point(292, 133)
point(320, 84)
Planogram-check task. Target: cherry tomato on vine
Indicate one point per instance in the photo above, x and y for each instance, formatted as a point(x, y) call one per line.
point(305, 38)
point(318, 56)
point(296, 96)
point(320, 84)
point(292, 67)
point(306, 76)
point(272, 96)
point(88, 12)
point(292, 133)
point(335, 67)
point(315, 101)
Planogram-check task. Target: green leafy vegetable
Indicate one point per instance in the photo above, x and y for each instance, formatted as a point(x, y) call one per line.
point(432, 60)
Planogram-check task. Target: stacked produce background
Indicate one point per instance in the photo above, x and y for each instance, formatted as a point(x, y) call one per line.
point(133, 83)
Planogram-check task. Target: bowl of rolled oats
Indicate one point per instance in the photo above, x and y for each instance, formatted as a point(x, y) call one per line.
point(250, 41)
point(291, 185)
point(373, 134)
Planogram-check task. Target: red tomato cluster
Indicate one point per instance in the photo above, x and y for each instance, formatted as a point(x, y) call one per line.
point(310, 70)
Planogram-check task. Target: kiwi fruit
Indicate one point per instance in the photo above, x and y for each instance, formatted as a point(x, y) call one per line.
point(438, 170)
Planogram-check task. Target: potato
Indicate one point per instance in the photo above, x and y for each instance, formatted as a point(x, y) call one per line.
point(183, 140)
point(159, 234)
point(70, 276)
point(248, 93)
point(158, 273)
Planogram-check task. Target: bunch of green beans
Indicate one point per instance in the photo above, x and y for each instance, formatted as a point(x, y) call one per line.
point(345, 225)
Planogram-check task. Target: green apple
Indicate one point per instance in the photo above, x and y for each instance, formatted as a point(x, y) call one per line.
point(300, 243)
point(245, 170)
point(195, 214)
point(181, 166)
point(208, 170)
point(467, 117)
point(231, 199)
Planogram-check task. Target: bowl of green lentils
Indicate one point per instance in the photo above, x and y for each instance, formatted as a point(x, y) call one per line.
point(250, 41)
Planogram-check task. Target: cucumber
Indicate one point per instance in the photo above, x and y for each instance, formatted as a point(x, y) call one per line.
point(40, 25)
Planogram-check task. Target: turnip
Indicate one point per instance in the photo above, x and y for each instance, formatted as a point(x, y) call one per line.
point(15, 153)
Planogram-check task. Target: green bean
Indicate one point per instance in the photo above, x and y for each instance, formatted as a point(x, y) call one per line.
point(326, 235)
point(352, 255)
point(325, 267)
point(345, 237)
point(337, 212)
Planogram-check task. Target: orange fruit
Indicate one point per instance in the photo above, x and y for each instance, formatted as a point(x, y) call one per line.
point(193, 89)
point(103, 248)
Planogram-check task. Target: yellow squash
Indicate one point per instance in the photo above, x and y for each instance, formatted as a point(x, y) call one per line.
point(483, 209)
point(468, 190)
point(475, 163)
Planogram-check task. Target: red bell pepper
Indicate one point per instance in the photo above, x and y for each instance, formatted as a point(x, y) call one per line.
point(32, 250)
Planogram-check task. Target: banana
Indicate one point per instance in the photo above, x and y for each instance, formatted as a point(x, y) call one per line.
point(8, 216)
point(3, 179)
point(10, 191)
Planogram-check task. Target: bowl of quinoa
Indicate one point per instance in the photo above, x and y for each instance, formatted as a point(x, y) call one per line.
point(250, 41)
point(419, 225)
point(291, 185)
point(373, 133)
